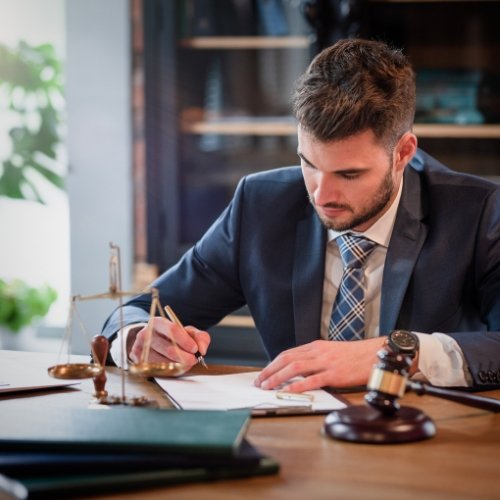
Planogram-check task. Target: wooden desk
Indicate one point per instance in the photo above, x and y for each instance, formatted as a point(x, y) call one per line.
point(462, 461)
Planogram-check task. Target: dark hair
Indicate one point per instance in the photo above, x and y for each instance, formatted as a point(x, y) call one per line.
point(353, 86)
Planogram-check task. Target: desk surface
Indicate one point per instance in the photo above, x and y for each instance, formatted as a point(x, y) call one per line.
point(461, 461)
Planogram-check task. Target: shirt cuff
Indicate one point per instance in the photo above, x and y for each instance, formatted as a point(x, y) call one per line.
point(441, 361)
point(120, 343)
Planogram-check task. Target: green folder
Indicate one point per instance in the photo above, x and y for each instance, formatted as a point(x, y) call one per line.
point(127, 429)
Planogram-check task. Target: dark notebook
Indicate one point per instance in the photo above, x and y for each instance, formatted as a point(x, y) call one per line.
point(47, 475)
point(129, 429)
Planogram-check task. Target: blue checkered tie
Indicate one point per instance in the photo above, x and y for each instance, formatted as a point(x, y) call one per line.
point(348, 313)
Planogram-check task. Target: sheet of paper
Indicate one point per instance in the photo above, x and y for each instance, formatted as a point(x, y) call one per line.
point(229, 392)
point(27, 371)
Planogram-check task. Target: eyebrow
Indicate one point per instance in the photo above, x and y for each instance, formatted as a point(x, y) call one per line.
point(342, 171)
point(302, 157)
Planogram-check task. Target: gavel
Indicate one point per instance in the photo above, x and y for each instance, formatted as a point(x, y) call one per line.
point(383, 419)
point(389, 381)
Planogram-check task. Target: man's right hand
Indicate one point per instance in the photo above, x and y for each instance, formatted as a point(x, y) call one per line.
point(169, 342)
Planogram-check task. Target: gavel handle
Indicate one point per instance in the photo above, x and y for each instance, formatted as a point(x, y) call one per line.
point(464, 398)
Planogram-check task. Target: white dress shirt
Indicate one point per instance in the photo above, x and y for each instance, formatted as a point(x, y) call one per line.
point(440, 361)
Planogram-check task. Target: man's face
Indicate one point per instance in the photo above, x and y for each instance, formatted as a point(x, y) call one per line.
point(351, 182)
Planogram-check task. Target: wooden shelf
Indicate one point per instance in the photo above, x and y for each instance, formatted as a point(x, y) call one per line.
point(246, 42)
point(457, 131)
point(251, 126)
point(287, 126)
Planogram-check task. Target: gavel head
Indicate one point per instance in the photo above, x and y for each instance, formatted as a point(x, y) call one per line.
point(387, 381)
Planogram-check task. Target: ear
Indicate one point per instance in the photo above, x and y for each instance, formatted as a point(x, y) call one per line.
point(405, 150)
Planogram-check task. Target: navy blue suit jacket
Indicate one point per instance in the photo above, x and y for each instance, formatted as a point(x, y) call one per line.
point(267, 250)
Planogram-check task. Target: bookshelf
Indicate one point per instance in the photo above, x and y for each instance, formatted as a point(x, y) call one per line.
point(217, 97)
point(454, 47)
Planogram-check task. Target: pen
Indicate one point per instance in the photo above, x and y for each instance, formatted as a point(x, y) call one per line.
point(173, 317)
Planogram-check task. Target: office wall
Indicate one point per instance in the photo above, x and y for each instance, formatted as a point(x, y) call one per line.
point(99, 150)
point(35, 21)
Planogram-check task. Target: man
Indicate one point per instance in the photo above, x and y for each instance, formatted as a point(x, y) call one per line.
point(432, 236)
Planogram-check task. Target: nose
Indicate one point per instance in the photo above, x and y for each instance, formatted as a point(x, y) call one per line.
point(324, 190)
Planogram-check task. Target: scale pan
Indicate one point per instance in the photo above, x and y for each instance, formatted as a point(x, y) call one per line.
point(168, 369)
point(75, 370)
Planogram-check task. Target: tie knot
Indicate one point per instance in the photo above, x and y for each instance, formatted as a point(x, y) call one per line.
point(354, 249)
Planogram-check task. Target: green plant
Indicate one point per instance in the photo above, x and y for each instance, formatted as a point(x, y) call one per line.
point(31, 104)
point(20, 303)
point(31, 94)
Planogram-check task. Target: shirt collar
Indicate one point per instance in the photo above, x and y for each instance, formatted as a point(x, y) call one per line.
point(380, 232)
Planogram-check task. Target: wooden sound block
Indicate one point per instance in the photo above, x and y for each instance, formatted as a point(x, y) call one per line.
point(365, 424)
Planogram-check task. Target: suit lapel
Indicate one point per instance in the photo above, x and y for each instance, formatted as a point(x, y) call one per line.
point(307, 280)
point(407, 238)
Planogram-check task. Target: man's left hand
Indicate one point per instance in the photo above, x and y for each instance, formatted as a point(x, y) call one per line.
point(322, 363)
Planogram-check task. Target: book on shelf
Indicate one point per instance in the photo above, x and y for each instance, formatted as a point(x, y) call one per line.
point(272, 17)
point(210, 18)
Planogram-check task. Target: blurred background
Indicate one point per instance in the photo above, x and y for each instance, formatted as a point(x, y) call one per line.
point(76, 124)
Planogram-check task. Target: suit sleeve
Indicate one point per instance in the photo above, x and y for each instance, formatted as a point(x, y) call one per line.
point(482, 349)
point(204, 285)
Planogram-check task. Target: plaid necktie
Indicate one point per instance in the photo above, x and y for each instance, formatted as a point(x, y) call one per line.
point(348, 313)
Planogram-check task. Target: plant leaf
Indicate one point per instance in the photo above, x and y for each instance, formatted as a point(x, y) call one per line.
point(23, 68)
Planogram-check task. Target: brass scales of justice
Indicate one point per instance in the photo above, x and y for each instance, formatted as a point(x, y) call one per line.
point(99, 345)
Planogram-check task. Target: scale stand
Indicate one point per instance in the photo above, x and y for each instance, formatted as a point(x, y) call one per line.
point(100, 346)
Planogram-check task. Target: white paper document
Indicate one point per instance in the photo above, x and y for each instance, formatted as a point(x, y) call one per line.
point(27, 371)
point(235, 391)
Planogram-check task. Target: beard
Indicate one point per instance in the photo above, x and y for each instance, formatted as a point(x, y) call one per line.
point(376, 207)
